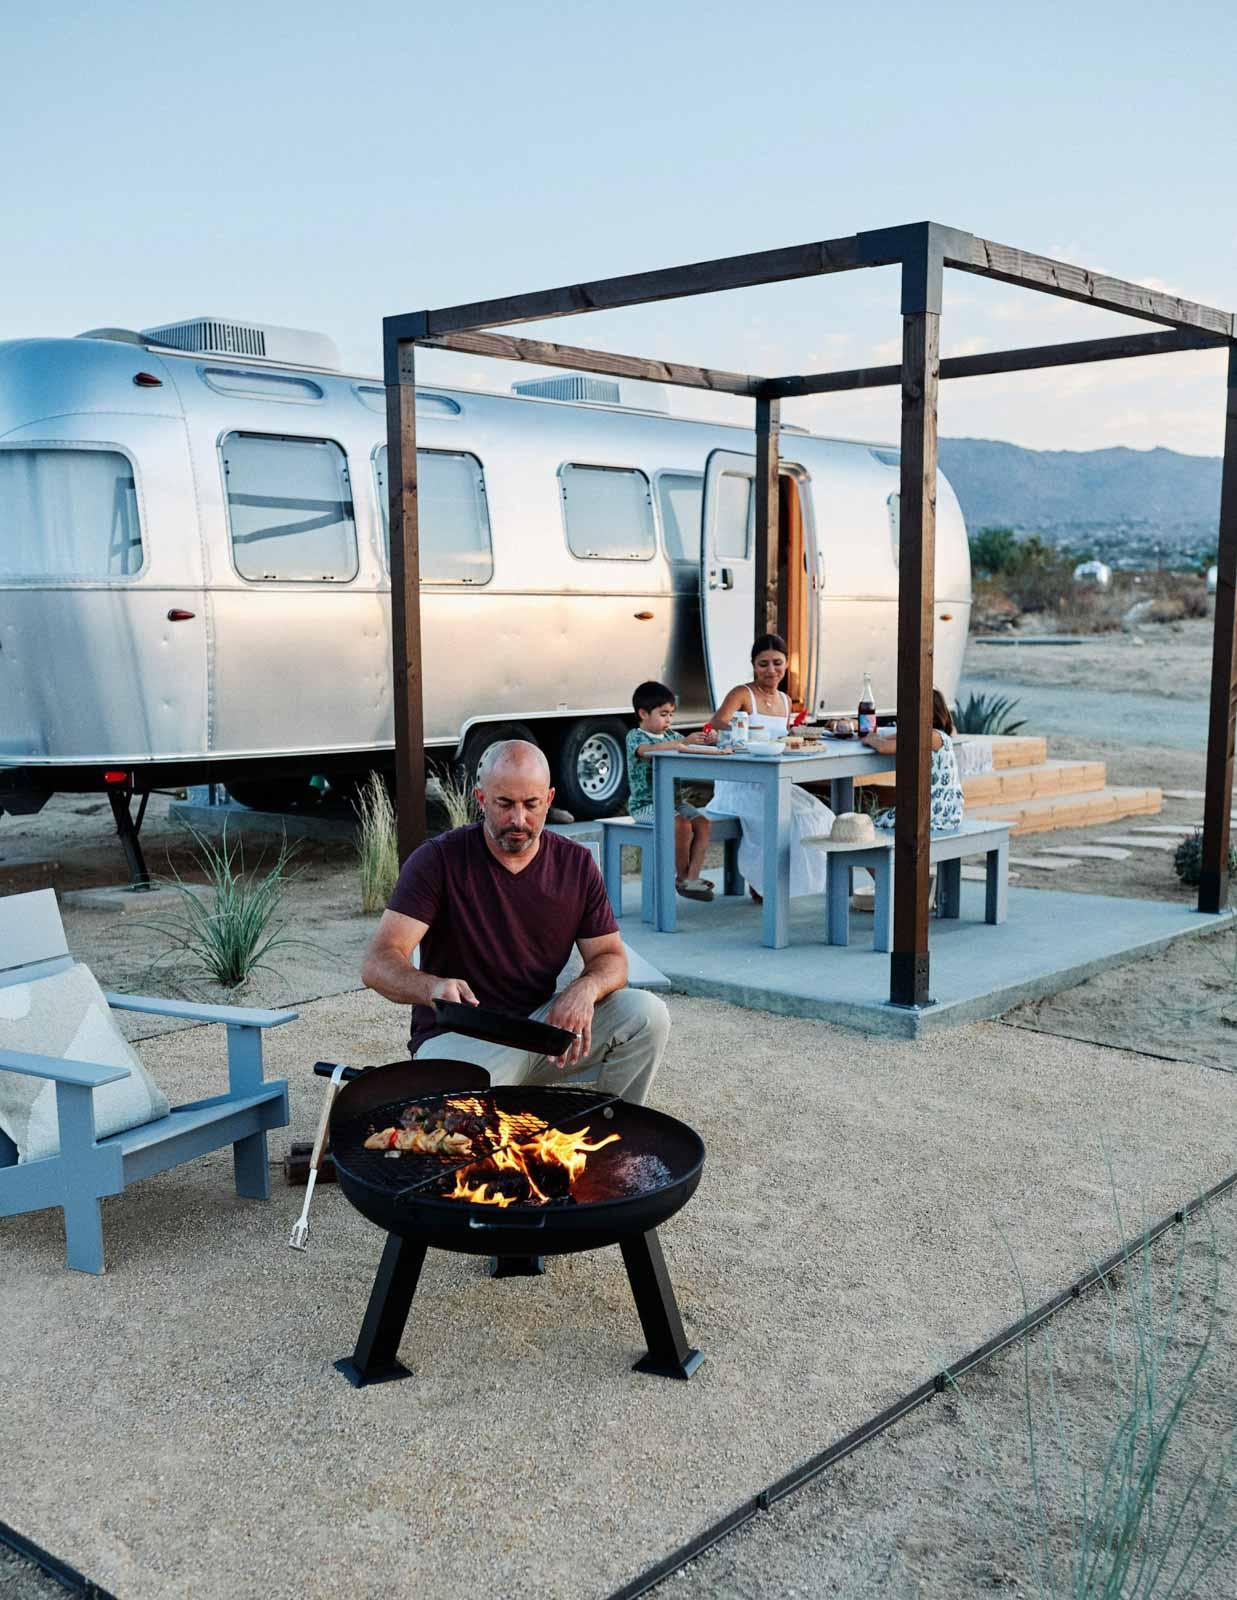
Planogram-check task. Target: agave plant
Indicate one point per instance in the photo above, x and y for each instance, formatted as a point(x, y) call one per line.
point(987, 713)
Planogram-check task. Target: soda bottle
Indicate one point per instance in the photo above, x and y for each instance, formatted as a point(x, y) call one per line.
point(867, 708)
point(738, 725)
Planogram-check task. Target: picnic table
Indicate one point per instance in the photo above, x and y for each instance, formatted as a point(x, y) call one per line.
point(835, 761)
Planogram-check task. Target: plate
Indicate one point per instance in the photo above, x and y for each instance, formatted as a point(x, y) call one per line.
point(767, 747)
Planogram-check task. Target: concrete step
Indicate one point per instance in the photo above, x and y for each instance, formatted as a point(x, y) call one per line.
point(1043, 813)
point(1021, 782)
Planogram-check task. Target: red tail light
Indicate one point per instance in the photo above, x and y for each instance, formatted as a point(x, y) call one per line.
point(115, 777)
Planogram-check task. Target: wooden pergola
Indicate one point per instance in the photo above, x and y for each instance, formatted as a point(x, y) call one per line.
point(922, 250)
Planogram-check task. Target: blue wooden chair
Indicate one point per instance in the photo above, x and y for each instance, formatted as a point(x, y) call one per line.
point(33, 946)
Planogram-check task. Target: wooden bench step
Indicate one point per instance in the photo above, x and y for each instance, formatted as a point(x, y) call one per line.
point(1043, 813)
point(1019, 783)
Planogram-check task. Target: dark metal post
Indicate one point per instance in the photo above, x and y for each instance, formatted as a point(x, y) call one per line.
point(768, 429)
point(1213, 882)
point(407, 686)
point(921, 308)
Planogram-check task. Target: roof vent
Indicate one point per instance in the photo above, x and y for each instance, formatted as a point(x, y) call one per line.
point(119, 335)
point(571, 386)
point(221, 336)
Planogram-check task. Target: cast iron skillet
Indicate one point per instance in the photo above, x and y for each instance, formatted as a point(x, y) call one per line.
point(496, 1027)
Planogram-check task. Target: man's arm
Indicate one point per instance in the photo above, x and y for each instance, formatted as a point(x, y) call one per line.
point(387, 967)
point(605, 970)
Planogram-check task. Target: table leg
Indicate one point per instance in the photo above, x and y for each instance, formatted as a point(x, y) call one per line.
point(776, 921)
point(663, 847)
point(842, 795)
point(996, 889)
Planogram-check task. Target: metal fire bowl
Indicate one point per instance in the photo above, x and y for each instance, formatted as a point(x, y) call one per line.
point(369, 1182)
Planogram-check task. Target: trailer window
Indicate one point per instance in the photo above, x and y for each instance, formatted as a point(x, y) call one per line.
point(681, 497)
point(289, 508)
point(609, 513)
point(736, 517)
point(453, 519)
point(68, 514)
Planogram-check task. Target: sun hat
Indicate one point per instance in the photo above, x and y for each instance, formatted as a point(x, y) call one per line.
point(853, 827)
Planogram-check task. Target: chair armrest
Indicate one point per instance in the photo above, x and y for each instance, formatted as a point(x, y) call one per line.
point(234, 1016)
point(85, 1074)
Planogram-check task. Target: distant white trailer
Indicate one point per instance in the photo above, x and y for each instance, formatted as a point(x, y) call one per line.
point(1213, 577)
point(1094, 573)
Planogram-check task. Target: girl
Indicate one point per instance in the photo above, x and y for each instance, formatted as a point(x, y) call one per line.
point(768, 707)
point(946, 811)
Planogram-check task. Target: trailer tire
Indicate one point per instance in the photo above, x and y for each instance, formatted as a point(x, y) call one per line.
point(592, 768)
point(479, 740)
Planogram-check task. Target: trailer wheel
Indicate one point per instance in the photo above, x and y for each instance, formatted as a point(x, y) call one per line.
point(275, 794)
point(479, 741)
point(592, 769)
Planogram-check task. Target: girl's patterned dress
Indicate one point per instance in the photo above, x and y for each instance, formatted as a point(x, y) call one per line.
point(946, 794)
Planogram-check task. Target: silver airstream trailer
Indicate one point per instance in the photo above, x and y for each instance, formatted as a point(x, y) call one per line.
point(194, 579)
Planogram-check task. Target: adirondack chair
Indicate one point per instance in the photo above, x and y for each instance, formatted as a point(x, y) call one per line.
point(33, 947)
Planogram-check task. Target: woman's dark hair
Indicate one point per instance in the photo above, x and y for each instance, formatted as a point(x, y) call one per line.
point(769, 641)
point(941, 718)
point(648, 696)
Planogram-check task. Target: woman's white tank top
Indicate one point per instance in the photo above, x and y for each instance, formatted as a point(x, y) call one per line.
point(777, 726)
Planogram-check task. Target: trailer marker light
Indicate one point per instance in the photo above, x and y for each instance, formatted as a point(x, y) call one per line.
point(115, 777)
point(177, 615)
point(147, 380)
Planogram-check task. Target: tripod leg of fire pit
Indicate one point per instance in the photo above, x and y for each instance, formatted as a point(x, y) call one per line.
point(669, 1354)
point(373, 1360)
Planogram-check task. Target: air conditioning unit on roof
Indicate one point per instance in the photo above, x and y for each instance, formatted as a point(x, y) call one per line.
point(225, 336)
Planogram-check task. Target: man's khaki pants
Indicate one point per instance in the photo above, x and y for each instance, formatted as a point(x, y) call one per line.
point(630, 1030)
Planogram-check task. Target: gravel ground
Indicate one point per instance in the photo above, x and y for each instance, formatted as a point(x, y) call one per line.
point(941, 1507)
point(844, 1244)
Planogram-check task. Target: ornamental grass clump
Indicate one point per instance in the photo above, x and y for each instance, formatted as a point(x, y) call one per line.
point(230, 931)
point(376, 844)
point(458, 798)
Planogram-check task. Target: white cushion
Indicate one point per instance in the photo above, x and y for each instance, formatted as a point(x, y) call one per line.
point(66, 1016)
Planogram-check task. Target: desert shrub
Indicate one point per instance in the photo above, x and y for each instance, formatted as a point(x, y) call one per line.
point(377, 850)
point(993, 551)
point(1194, 601)
point(987, 713)
point(1188, 859)
point(229, 933)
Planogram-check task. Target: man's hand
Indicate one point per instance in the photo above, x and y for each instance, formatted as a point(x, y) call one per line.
point(455, 990)
point(573, 1009)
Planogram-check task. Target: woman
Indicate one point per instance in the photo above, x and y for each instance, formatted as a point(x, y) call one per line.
point(946, 803)
point(768, 707)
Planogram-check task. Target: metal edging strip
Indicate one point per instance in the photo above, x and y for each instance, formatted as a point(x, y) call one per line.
point(876, 1425)
point(68, 1577)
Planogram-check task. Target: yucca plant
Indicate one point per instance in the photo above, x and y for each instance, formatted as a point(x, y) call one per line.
point(987, 713)
point(376, 843)
point(230, 932)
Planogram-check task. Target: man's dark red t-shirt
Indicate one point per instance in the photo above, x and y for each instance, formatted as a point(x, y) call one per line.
point(507, 934)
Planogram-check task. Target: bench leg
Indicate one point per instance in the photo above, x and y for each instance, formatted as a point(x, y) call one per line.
point(648, 883)
point(732, 878)
point(949, 888)
point(251, 1169)
point(996, 886)
point(837, 901)
point(612, 869)
point(83, 1232)
point(882, 920)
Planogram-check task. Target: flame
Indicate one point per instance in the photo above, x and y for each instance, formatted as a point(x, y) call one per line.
point(522, 1139)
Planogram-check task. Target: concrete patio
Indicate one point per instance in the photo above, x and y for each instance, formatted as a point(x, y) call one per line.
point(1052, 939)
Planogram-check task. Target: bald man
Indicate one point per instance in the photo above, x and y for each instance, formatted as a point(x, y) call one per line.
point(494, 909)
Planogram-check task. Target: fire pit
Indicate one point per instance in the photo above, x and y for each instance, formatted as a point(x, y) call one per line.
point(509, 1172)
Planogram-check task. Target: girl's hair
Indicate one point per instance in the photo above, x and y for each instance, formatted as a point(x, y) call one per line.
point(769, 641)
point(941, 718)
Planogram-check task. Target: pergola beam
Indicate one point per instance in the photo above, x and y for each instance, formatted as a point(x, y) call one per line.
point(1078, 353)
point(506, 347)
point(639, 288)
point(1008, 265)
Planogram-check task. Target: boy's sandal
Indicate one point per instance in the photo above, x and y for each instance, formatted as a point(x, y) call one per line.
point(694, 888)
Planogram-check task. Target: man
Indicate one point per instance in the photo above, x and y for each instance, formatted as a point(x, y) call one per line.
point(495, 909)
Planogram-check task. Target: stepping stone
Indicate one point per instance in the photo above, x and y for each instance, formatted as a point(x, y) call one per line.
point(1045, 863)
point(980, 875)
point(1182, 831)
point(1184, 794)
point(1131, 843)
point(1091, 852)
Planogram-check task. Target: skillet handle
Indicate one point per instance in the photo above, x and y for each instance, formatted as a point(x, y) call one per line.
point(326, 1069)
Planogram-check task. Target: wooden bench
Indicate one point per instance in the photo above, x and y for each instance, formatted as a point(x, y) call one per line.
point(948, 850)
point(618, 831)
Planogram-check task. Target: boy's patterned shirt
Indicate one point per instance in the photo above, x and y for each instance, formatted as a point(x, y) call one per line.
point(640, 769)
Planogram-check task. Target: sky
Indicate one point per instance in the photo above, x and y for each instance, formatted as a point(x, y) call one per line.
point(323, 165)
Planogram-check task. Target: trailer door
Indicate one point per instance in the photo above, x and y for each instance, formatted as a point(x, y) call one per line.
point(727, 569)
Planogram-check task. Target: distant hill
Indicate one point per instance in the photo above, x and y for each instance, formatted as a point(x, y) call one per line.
point(1075, 496)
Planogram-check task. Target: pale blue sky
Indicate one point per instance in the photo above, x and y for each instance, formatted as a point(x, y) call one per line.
point(322, 165)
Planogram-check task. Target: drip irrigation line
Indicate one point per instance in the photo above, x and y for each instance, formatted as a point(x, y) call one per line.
point(1105, 1044)
point(803, 1474)
point(69, 1578)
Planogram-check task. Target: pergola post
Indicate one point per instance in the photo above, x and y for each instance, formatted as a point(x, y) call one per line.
point(407, 697)
point(1213, 882)
point(768, 429)
point(921, 308)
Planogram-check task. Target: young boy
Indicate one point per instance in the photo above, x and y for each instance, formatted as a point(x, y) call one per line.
point(654, 705)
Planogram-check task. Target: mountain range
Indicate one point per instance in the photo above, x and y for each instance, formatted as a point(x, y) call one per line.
point(1085, 497)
